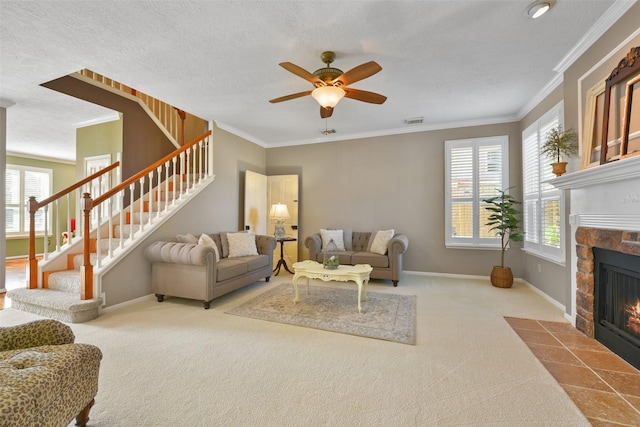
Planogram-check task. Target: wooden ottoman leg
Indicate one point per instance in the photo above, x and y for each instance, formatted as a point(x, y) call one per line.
point(83, 417)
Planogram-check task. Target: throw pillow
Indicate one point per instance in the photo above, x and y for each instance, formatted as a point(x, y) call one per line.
point(187, 238)
point(335, 236)
point(225, 243)
point(206, 240)
point(381, 241)
point(242, 244)
point(348, 239)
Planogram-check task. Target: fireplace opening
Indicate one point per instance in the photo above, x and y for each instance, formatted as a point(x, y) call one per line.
point(617, 303)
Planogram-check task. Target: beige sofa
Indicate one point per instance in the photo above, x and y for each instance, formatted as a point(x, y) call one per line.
point(357, 245)
point(202, 272)
point(46, 379)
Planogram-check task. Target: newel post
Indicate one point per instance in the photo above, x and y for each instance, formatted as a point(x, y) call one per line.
point(86, 270)
point(33, 261)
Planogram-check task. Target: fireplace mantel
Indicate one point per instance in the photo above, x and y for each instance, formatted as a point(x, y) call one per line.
point(606, 196)
point(622, 170)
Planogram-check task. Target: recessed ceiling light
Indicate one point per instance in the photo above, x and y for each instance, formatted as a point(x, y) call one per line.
point(538, 9)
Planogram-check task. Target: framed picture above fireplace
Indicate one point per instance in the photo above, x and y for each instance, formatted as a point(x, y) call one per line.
point(620, 116)
point(631, 123)
point(592, 132)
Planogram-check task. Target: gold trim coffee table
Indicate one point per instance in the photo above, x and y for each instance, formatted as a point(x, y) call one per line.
point(358, 273)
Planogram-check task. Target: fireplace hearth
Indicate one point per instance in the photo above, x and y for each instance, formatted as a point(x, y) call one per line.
point(617, 303)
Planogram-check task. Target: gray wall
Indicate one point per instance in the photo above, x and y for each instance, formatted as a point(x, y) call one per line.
point(217, 208)
point(553, 279)
point(392, 182)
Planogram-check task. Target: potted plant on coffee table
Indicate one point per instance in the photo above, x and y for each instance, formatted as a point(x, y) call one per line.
point(560, 145)
point(505, 221)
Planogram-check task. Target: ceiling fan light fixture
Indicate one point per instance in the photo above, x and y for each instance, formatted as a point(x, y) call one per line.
point(328, 96)
point(537, 9)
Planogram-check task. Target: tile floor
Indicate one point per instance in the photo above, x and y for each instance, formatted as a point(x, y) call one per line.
point(601, 384)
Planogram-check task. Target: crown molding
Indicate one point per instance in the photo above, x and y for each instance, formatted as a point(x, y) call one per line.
point(540, 96)
point(398, 131)
point(241, 134)
point(115, 115)
point(606, 21)
point(41, 158)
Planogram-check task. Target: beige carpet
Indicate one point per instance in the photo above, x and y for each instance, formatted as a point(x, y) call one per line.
point(384, 316)
point(175, 364)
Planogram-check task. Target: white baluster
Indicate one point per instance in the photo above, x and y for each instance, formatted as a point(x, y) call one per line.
point(131, 209)
point(151, 197)
point(141, 198)
point(46, 232)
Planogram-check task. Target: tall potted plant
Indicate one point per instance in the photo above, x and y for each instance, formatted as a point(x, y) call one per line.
point(505, 221)
point(559, 145)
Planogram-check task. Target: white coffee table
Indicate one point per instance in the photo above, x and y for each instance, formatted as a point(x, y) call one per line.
point(314, 270)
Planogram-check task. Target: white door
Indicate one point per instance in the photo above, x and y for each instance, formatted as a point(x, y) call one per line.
point(284, 189)
point(255, 202)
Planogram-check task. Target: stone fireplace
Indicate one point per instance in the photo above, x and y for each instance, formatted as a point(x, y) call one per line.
point(604, 213)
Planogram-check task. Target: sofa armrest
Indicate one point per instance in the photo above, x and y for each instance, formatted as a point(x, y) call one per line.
point(314, 244)
point(398, 244)
point(35, 334)
point(265, 244)
point(179, 253)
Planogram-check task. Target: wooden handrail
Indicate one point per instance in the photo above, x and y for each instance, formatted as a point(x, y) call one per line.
point(124, 184)
point(34, 206)
point(77, 185)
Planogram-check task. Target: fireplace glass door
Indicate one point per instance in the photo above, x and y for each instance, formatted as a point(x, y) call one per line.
point(617, 303)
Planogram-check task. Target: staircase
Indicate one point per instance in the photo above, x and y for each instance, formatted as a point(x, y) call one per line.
point(65, 285)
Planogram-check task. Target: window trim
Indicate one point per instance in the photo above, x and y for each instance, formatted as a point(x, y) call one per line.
point(474, 242)
point(24, 231)
point(539, 249)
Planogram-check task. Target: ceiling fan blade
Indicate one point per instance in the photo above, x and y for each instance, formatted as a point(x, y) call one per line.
point(326, 112)
point(363, 95)
point(301, 72)
point(292, 96)
point(358, 73)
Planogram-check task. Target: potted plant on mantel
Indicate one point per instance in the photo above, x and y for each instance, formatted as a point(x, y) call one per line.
point(505, 220)
point(560, 144)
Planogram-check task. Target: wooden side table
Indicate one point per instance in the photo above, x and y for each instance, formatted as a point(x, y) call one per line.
point(281, 261)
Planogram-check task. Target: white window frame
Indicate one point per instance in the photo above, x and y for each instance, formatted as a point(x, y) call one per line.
point(537, 178)
point(474, 242)
point(23, 201)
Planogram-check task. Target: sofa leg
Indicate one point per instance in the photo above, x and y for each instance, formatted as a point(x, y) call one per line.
point(83, 417)
point(160, 297)
point(266, 279)
point(207, 304)
point(395, 282)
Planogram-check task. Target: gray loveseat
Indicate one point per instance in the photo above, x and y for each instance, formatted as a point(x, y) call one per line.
point(357, 251)
point(191, 270)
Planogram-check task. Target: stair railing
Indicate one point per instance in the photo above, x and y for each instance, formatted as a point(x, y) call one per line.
point(189, 165)
point(53, 203)
point(170, 119)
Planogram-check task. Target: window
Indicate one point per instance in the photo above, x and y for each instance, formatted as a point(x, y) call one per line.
point(543, 204)
point(21, 182)
point(475, 170)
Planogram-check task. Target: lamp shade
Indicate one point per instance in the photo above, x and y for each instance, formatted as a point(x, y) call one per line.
point(328, 96)
point(279, 211)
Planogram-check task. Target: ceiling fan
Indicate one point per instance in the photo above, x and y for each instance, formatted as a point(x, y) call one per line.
point(331, 84)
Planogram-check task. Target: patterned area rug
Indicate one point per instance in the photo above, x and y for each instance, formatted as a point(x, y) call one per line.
point(384, 316)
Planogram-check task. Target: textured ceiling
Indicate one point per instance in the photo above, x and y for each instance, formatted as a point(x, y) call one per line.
point(454, 63)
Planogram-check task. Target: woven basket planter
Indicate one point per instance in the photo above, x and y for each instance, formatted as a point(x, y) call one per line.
point(501, 277)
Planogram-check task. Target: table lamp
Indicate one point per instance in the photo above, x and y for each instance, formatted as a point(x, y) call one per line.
point(279, 212)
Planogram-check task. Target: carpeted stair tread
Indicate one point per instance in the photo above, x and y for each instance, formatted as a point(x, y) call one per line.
point(79, 258)
point(58, 305)
point(65, 281)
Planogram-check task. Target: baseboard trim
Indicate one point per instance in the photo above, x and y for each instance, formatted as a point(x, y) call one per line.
point(469, 276)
